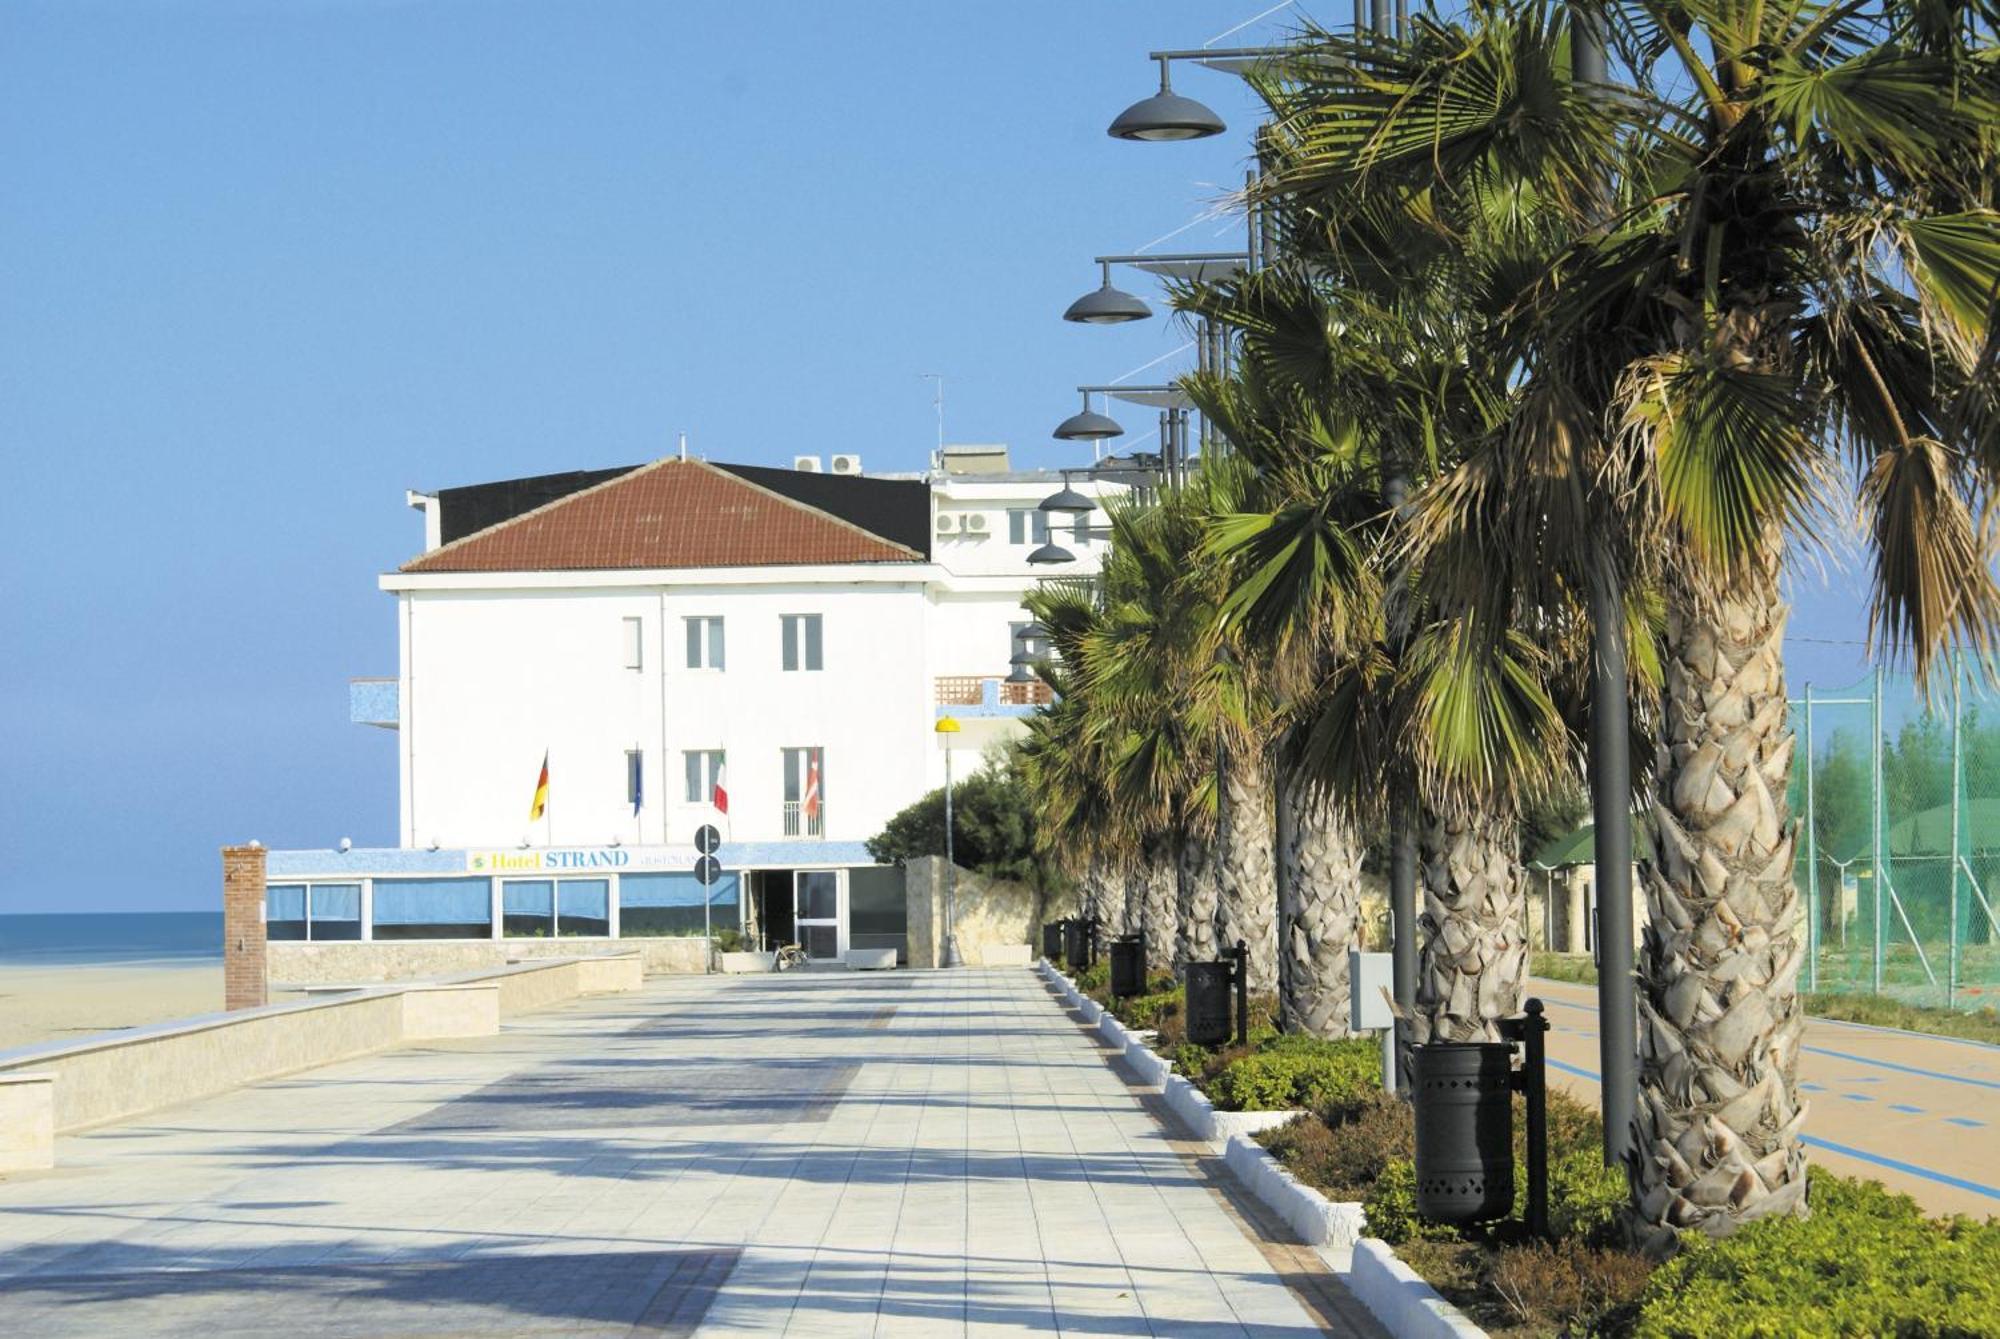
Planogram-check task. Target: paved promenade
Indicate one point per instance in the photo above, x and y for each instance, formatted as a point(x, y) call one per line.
point(810, 1154)
point(1919, 1114)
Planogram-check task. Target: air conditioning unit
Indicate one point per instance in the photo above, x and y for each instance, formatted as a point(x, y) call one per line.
point(847, 464)
point(807, 464)
point(975, 524)
point(947, 524)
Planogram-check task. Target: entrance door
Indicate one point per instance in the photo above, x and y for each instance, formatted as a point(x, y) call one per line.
point(822, 929)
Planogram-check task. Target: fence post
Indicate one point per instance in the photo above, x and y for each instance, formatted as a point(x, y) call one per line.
point(1878, 874)
point(1812, 859)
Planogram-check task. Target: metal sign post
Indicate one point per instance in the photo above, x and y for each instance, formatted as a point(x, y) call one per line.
point(707, 870)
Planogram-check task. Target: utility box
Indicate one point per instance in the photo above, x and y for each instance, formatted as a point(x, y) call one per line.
point(1369, 975)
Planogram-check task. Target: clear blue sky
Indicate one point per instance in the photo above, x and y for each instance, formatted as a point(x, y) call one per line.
point(265, 265)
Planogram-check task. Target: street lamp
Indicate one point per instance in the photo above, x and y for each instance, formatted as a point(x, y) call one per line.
point(1087, 426)
point(946, 727)
point(1167, 115)
point(1107, 305)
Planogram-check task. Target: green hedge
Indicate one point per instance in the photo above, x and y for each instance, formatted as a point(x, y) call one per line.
point(1867, 1262)
point(1300, 1071)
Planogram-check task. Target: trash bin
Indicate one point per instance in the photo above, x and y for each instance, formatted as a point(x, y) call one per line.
point(1052, 941)
point(1465, 1130)
point(1128, 967)
point(1077, 943)
point(1208, 1002)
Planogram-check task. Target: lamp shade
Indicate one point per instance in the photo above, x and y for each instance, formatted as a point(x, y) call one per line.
point(1069, 500)
point(1166, 116)
point(1107, 306)
point(1020, 674)
point(1036, 631)
point(1051, 553)
point(1087, 426)
point(1021, 657)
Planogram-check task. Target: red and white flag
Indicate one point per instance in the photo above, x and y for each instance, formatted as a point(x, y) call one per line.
point(811, 806)
point(719, 797)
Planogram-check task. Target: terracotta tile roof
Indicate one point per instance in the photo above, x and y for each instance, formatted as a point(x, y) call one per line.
point(671, 513)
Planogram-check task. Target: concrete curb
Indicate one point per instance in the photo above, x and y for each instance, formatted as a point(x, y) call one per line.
point(1408, 1307)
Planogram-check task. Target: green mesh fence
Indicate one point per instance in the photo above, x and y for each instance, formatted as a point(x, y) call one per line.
point(1898, 804)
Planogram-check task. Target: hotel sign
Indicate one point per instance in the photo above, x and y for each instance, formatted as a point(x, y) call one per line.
point(578, 859)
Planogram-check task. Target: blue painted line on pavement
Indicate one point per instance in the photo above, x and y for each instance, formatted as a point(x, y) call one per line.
point(1812, 1141)
point(1812, 1087)
point(1906, 1109)
point(1856, 1097)
point(1967, 1121)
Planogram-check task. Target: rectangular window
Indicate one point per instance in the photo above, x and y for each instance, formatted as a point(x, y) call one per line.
point(1080, 529)
point(704, 642)
point(805, 792)
point(671, 904)
point(802, 641)
point(285, 911)
point(635, 779)
point(433, 909)
point(634, 634)
point(334, 910)
point(583, 907)
point(704, 769)
point(1027, 525)
point(528, 909)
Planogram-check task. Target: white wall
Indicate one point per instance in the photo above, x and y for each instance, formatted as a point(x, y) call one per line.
point(493, 677)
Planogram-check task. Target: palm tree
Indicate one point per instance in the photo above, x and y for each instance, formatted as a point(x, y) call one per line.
point(1786, 274)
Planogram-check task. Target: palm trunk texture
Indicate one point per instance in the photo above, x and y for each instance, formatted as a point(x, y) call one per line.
point(1161, 879)
point(1194, 901)
point(1718, 1120)
point(1248, 869)
point(1474, 949)
point(1319, 914)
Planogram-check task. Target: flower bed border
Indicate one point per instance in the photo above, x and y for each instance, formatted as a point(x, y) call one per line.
point(1394, 1293)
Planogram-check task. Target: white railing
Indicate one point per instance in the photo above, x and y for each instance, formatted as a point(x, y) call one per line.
point(798, 825)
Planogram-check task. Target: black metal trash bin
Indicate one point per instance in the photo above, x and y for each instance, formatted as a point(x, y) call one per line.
point(1052, 940)
point(1077, 937)
point(1128, 967)
point(1208, 1002)
point(1465, 1130)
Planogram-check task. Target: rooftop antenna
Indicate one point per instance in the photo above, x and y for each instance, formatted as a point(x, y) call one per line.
point(684, 448)
point(937, 401)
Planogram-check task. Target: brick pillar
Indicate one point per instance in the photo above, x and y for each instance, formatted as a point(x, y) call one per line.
point(243, 979)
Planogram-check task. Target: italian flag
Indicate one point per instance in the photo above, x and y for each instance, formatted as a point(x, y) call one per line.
point(719, 795)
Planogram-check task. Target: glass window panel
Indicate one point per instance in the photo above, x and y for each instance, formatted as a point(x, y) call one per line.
point(583, 907)
point(285, 911)
point(822, 941)
point(433, 909)
point(336, 911)
point(789, 630)
point(794, 775)
point(875, 901)
point(819, 896)
point(671, 904)
point(812, 642)
point(715, 643)
point(1017, 526)
point(693, 643)
point(528, 909)
point(635, 777)
point(633, 632)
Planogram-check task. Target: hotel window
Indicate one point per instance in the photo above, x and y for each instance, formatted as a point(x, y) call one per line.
point(1027, 525)
point(632, 631)
point(551, 908)
point(672, 904)
point(635, 779)
point(1080, 528)
point(433, 909)
point(704, 642)
point(802, 641)
point(704, 769)
point(805, 792)
point(323, 911)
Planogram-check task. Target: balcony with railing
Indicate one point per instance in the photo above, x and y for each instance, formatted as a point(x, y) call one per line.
point(797, 824)
point(989, 695)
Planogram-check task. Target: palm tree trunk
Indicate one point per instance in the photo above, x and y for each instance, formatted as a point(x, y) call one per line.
point(1319, 913)
point(1247, 866)
point(1717, 1127)
point(1159, 880)
point(1474, 954)
point(1194, 900)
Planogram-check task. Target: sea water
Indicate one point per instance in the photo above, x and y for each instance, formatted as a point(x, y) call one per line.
point(75, 939)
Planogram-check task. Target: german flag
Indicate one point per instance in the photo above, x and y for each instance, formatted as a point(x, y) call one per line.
point(541, 804)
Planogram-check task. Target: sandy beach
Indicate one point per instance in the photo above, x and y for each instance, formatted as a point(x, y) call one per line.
point(57, 1003)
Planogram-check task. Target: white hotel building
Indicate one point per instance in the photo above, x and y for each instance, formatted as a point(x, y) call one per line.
point(652, 630)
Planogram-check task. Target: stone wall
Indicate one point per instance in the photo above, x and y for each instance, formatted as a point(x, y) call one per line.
point(295, 963)
point(992, 913)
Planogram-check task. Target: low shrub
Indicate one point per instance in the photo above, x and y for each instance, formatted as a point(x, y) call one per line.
point(1578, 968)
point(1565, 1284)
point(1391, 1207)
point(1867, 1262)
point(1342, 1159)
point(1094, 980)
point(1298, 1071)
point(732, 941)
point(1162, 1000)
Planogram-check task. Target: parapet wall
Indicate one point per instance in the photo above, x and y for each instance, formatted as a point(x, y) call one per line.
point(58, 1087)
